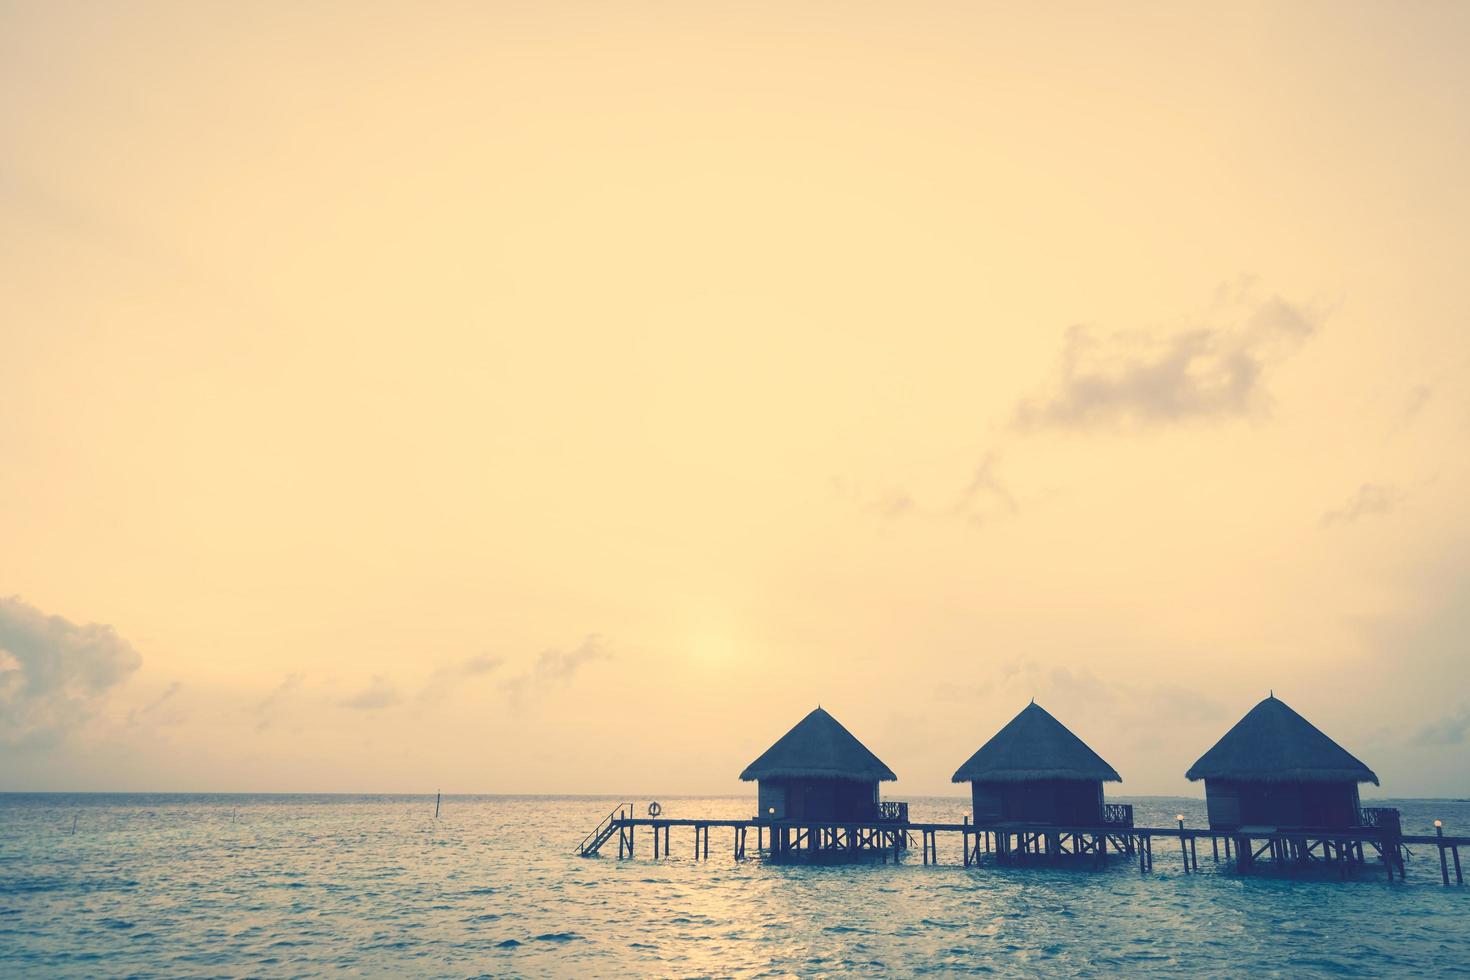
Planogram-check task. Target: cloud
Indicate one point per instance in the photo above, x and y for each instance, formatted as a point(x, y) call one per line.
point(986, 495)
point(891, 504)
point(894, 504)
point(1081, 694)
point(1418, 397)
point(1449, 730)
point(1371, 500)
point(380, 693)
point(269, 706)
point(448, 677)
point(1212, 368)
point(54, 674)
point(162, 710)
point(985, 498)
point(554, 667)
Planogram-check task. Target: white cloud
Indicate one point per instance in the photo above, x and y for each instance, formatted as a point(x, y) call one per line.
point(54, 674)
point(1370, 500)
point(1209, 368)
point(380, 693)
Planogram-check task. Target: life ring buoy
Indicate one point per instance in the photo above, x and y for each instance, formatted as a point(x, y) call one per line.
point(654, 809)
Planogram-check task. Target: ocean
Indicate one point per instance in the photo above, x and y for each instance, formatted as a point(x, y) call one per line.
point(158, 885)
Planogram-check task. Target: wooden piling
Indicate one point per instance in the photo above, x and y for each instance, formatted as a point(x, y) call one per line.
point(438, 794)
point(1444, 871)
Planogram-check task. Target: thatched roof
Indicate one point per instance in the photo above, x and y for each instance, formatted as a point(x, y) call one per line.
point(1272, 743)
point(1034, 745)
point(818, 748)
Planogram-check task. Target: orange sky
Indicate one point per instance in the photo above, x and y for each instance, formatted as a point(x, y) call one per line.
point(561, 397)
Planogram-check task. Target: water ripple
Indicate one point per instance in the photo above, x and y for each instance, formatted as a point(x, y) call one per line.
point(315, 886)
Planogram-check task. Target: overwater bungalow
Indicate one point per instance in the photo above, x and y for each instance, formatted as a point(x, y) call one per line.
point(819, 772)
point(1275, 769)
point(1035, 771)
point(1274, 784)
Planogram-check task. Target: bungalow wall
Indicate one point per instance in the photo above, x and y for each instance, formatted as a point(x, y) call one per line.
point(1065, 802)
point(1236, 803)
point(817, 799)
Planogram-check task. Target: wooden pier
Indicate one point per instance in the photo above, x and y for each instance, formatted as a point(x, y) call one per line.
point(1013, 843)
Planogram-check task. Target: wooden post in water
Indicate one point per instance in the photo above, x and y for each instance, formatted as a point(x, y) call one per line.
point(74, 823)
point(1183, 851)
point(1444, 871)
point(437, 795)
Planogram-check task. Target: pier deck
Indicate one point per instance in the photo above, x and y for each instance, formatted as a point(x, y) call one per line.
point(1019, 842)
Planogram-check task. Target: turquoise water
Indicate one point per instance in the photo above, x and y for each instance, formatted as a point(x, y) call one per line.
point(162, 885)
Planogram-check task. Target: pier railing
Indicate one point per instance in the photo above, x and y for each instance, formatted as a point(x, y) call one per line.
point(1117, 814)
point(892, 810)
point(1383, 817)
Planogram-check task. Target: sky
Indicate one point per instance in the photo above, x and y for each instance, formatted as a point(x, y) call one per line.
point(565, 397)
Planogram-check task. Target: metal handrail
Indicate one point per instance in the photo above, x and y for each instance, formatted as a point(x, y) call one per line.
point(615, 814)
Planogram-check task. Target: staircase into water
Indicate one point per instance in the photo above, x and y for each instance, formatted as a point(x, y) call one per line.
point(605, 828)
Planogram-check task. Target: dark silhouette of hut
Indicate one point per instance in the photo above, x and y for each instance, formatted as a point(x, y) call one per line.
point(818, 771)
point(1275, 769)
point(1035, 771)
